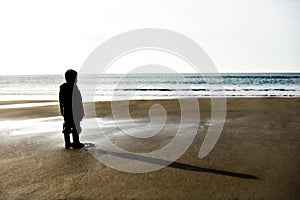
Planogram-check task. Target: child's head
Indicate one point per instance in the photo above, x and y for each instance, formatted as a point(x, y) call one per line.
point(71, 76)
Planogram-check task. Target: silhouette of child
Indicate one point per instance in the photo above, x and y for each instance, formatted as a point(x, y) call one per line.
point(71, 109)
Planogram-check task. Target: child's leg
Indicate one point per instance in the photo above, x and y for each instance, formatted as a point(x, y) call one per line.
point(76, 143)
point(66, 131)
point(75, 137)
point(75, 134)
point(67, 140)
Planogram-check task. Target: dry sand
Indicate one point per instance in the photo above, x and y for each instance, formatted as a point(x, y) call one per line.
point(256, 157)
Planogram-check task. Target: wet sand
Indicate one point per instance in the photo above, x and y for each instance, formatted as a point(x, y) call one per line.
point(256, 157)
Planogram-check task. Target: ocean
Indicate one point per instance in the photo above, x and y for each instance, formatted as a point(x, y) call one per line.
point(154, 86)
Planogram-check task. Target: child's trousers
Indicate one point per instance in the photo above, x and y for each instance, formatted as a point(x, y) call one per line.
point(69, 127)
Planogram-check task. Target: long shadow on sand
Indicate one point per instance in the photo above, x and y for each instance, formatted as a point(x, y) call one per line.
point(176, 165)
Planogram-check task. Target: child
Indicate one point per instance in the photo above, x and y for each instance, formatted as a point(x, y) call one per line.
point(71, 109)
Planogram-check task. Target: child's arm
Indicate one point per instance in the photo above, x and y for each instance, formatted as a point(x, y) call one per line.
point(81, 106)
point(61, 105)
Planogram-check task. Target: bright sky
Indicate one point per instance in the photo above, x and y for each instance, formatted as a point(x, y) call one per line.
point(42, 37)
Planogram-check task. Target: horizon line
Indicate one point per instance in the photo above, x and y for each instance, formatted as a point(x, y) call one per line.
point(44, 74)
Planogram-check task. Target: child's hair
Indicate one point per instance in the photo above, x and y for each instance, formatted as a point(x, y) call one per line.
point(70, 76)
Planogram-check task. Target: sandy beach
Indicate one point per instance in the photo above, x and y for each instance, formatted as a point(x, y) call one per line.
point(256, 157)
